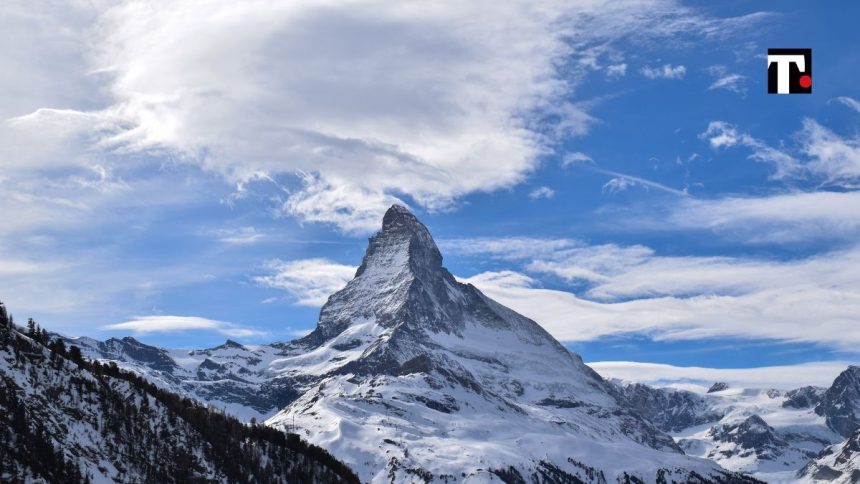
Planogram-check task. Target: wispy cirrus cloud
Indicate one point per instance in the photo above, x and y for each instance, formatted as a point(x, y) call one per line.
point(621, 182)
point(721, 134)
point(666, 71)
point(541, 192)
point(723, 79)
point(246, 235)
point(819, 155)
point(850, 102)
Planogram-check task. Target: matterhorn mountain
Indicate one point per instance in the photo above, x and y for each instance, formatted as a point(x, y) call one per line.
point(412, 376)
point(422, 377)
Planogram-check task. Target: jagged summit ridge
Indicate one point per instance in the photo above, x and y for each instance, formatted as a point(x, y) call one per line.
point(399, 216)
point(403, 240)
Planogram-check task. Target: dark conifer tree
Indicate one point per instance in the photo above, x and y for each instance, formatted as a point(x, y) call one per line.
point(4, 317)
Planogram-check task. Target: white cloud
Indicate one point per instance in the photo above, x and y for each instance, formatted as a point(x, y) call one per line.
point(731, 82)
point(618, 184)
point(787, 217)
point(832, 158)
point(39, 40)
point(821, 155)
point(309, 281)
point(616, 70)
point(506, 248)
point(622, 272)
point(725, 80)
point(721, 134)
point(542, 192)
point(667, 71)
point(142, 325)
point(575, 158)
point(633, 290)
point(850, 102)
point(781, 377)
point(783, 313)
point(622, 182)
point(431, 102)
point(405, 99)
point(239, 236)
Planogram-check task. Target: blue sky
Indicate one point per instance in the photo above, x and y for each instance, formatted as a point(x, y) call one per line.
point(614, 170)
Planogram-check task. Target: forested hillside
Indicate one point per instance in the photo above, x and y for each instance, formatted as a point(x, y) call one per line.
point(65, 419)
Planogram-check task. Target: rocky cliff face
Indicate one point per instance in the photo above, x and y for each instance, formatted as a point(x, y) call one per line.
point(840, 404)
point(837, 464)
point(670, 410)
point(804, 397)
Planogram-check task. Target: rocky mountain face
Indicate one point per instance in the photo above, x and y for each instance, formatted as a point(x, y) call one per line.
point(840, 404)
point(803, 397)
point(65, 419)
point(752, 436)
point(670, 410)
point(718, 387)
point(837, 464)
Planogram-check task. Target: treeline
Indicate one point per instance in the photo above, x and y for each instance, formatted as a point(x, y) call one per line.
point(142, 424)
point(26, 447)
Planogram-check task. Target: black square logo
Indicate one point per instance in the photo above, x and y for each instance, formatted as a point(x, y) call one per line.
point(789, 71)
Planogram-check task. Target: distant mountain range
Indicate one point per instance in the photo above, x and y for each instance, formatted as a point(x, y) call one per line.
point(412, 376)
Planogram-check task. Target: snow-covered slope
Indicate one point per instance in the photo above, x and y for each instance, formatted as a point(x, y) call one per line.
point(768, 433)
point(837, 464)
point(66, 420)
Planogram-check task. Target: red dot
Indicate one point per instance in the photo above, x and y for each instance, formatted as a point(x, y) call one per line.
point(805, 81)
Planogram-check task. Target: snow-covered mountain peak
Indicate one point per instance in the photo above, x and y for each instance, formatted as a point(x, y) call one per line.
point(403, 302)
point(399, 216)
point(404, 243)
